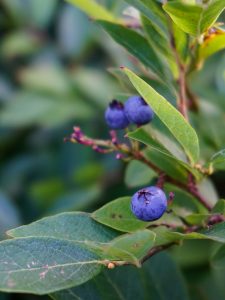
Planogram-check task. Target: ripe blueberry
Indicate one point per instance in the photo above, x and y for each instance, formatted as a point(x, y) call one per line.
point(149, 204)
point(115, 116)
point(138, 111)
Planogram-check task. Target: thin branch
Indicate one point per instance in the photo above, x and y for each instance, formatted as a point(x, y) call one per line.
point(155, 250)
point(113, 145)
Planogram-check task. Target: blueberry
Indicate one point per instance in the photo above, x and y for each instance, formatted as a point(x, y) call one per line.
point(138, 111)
point(115, 116)
point(149, 204)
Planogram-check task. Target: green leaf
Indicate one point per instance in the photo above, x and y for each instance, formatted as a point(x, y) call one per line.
point(211, 44)
point(194, 19)
point(218, 259)
point(153, 12)
point(197, 219)
point(173, 120)
point(164, 153)
point(215, 233)
point(217, 161)
point(75, 226)
point(184, 203)
point(94, 10)
point(130, 247)
point(219, 207)
point(138, 174)
point(136, 44)
point(160, 43)
point(117, 214)
point(167, 164)
point(43, 265)
point(153, 138)
point(181, 42)
point(131, 283)
point(208, 190)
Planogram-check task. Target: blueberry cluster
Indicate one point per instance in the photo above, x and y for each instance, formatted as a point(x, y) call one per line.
point(149, 204)
point(135, 110)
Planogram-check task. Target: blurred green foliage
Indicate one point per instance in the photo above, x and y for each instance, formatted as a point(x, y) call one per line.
point(53, 76)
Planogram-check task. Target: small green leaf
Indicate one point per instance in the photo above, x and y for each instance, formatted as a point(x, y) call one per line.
point(181, 42)
point(194, 19)
point(164, 153)
point(94, 10)
point(138, 174)
point(136, 44)
point(217, 161)
point(208, 190)
point(44, 265)
point(73, 226)
point(154, 138)
point(218, 259)
point(211, 44)
point(184, 203)
point(160, 43)
point(173, 120)
point(130, 247)
point(153, 12)
point(215, 233)
point(117, 214)
point(219, 207)
point(167, 164)
point(197, 219)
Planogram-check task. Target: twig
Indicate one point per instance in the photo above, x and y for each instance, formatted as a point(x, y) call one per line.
point(113, 145)
point(155, 250)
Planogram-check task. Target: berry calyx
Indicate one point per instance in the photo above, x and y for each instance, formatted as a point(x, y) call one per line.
point(138, 111)
point(115, 115)
point(149, 204)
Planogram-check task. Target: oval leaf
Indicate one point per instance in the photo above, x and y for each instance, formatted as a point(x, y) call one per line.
point(43, 265)
point(94, 10)
point(194, 19)
point(73, 226)
point(137, 45)
point(171, 117)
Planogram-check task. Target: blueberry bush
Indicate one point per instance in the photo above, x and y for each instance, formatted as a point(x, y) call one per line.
point(162, 116)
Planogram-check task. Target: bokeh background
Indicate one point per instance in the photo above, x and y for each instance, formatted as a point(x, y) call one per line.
point(55, 72)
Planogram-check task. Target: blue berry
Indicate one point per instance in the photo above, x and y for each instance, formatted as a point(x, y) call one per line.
point(115, 116)
point(149, 204)
point(138, 111)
